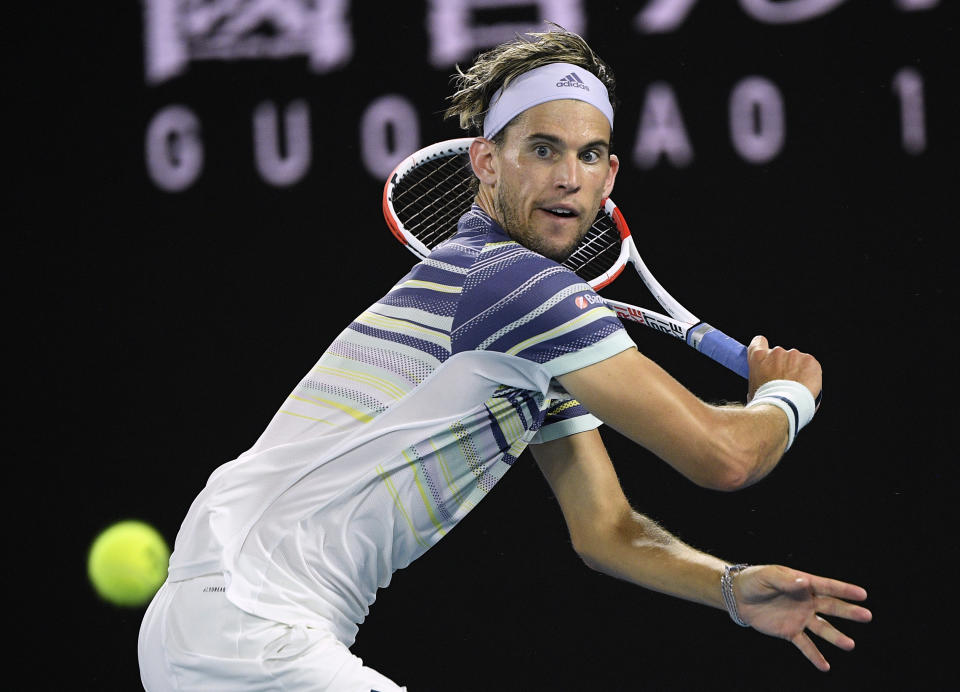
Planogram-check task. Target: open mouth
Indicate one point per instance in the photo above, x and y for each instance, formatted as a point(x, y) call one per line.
point(560, 212)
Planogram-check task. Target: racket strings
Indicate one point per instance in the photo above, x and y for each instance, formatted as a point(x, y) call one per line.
point(430, 200)
point(598, 251)
point(448, 214)
point(444, 184)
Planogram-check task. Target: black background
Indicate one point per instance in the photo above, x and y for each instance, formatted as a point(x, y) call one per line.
point(156, 333)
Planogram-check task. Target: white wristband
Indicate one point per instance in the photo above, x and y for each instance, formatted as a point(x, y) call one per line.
point(791, 397)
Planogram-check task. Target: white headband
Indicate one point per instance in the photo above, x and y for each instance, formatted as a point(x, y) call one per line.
point(559, 80)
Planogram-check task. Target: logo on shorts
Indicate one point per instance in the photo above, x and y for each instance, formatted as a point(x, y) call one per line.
point(572, 80)
point(586, 300)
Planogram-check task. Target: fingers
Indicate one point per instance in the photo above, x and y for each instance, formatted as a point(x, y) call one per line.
point(810, 650)
point(778, 363)
point(827, 631)
point(839, 589)
point(832, 605)
point(781, 360)
point(801, 599)
point(832, 596)
point(839, 608)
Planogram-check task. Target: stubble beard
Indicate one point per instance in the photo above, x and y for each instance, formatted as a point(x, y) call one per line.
point(524, 234)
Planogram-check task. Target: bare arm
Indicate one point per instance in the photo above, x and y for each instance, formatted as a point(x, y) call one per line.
point(612, 538)
point(609, 535)
point(720, 447)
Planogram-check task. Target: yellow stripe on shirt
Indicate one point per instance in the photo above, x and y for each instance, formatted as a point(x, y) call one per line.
point(588, 316)
point(383, 385)
point(393, 324)
point(423, 494)
point(430, 285)
point(352, 412)
point(385, 477)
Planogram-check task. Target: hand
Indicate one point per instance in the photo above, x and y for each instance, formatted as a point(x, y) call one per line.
point(784, 603)
point(780, 364)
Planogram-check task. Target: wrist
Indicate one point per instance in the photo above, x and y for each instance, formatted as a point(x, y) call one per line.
point(726, 591)
point(793, 398)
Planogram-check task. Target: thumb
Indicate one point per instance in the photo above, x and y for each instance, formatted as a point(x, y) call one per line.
point(758, 342)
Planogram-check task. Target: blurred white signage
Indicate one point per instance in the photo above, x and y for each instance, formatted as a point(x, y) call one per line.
point(180, 32)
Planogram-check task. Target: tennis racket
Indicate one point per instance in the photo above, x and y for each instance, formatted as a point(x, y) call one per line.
point(431, 189)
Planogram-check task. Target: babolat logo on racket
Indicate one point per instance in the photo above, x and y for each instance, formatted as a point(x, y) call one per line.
point(572, 80)
point(586, 300)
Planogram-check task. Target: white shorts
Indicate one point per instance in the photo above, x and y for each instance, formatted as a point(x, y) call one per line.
point(193, 638)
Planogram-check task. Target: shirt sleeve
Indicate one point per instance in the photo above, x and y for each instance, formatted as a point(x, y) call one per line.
point(520, 303)
point(564, 418)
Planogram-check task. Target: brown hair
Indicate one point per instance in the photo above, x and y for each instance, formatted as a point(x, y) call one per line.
point(498, 66)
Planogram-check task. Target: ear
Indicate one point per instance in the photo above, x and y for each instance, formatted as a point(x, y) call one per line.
point(611, 175)
point(482, 160)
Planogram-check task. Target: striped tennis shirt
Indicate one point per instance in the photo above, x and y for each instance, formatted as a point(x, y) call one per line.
point(405, 423)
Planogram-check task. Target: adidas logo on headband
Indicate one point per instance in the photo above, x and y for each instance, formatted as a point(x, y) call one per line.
point(542, 84)
point(572, 80)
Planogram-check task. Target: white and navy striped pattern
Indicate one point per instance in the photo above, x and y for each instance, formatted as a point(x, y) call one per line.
point(406, 422)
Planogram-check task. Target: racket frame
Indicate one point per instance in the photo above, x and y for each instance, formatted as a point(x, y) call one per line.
point(679, 323)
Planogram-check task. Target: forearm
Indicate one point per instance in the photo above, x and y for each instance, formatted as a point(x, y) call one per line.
point(749, 441)
point(719, 447)
point(638, 550)
point(609, 535)
point(772, 599)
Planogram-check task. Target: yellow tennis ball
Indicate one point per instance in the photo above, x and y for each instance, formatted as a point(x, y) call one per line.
point(128, 563)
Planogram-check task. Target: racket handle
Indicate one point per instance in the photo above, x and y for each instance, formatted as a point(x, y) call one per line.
point(725, 350)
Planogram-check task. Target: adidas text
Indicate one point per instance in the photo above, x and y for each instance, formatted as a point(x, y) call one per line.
point(572, 80)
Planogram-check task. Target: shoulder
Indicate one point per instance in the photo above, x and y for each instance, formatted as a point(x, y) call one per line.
point(506, 280)
point(519, 302)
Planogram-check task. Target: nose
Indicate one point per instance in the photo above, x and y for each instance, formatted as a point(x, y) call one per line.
point(567, 173)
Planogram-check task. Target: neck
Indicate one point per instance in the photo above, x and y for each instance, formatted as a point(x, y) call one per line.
point(484, 200)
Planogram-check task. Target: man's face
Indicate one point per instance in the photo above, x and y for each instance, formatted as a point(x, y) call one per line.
point(552, 170)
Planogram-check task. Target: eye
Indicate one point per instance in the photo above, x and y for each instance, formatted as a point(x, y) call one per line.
point(542, 151)
point(590, 156)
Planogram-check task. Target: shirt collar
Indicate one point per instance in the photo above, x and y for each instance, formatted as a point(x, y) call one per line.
point(477, 220)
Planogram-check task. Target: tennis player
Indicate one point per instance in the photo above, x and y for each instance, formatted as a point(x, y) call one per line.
point(424, 401)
